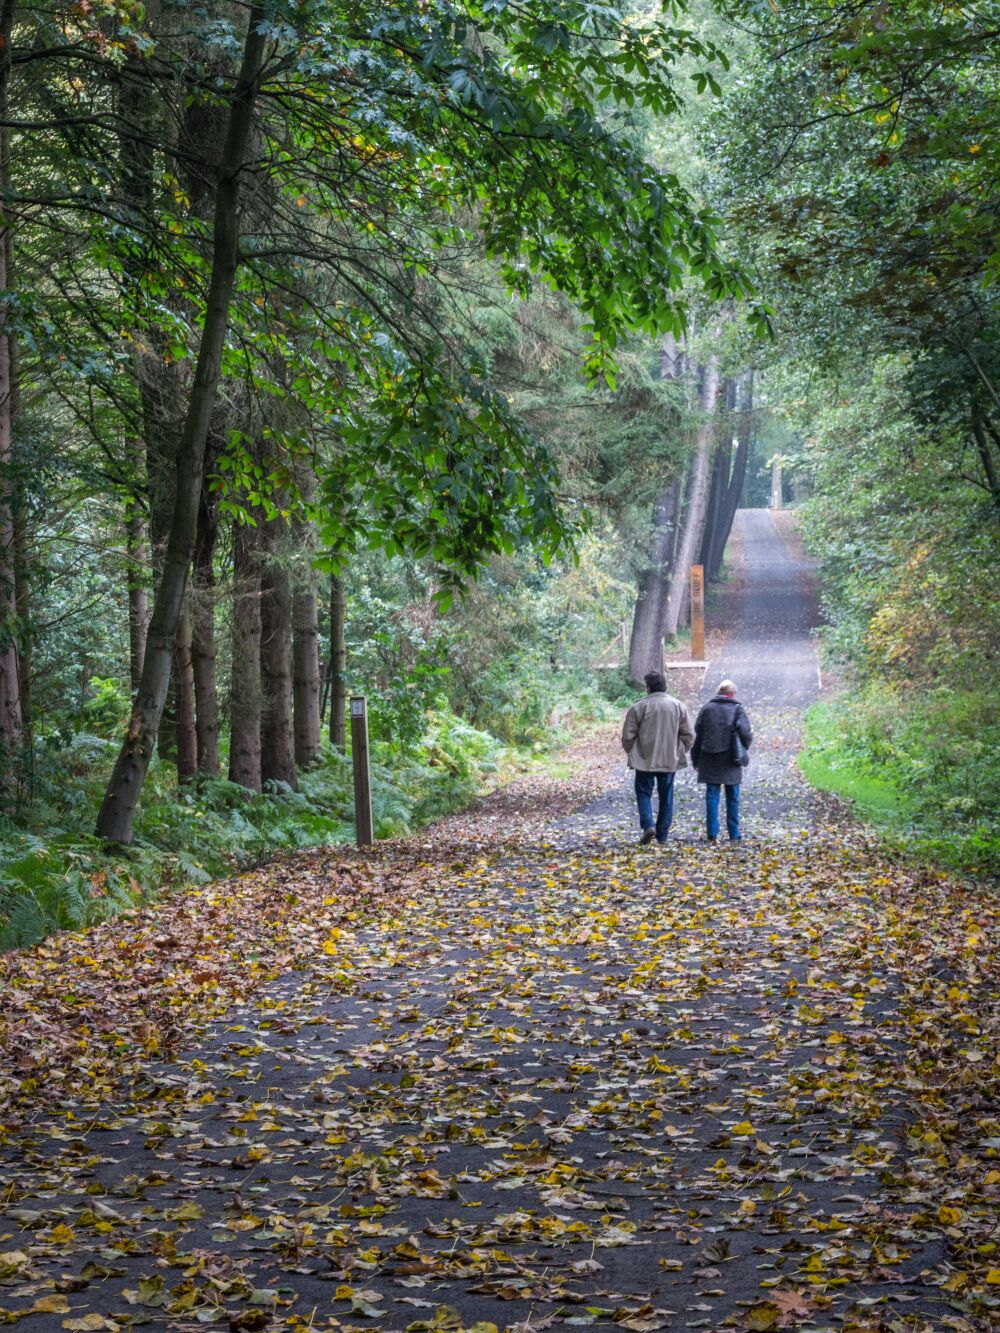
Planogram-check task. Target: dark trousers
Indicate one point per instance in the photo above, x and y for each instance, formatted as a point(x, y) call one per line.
point(664, 783)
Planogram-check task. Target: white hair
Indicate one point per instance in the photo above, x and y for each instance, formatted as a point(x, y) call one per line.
point(726, 687)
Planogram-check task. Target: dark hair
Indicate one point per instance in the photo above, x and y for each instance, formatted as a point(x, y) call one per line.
point(655, 682)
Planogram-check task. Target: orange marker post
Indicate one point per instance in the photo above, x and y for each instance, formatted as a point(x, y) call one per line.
point(697, 613)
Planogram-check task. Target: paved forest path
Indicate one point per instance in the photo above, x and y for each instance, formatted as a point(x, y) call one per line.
point(546, 1079)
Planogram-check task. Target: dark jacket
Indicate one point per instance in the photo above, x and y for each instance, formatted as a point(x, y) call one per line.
point(712, 751)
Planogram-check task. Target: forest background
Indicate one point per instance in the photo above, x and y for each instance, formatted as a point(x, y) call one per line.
point(418, 350)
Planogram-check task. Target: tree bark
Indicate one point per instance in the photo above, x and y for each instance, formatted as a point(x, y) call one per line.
point(737, 480)
point(985, 455)
point(713, 509)
point(11, 716)
point(203, 650)
point(185, 732)
point(277, 744)
point(673, 357)
point(245, 689)
point(777, 486)
point(22, 553)
point(715, 520)
point(645, 649)
point(305, 670)
point(694, 519)
point(116, 818)
point(305, 633)
point(136, 557)
point(645, 652)
point(338, 663)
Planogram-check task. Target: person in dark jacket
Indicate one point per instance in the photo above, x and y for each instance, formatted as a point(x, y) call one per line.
point(721, 733)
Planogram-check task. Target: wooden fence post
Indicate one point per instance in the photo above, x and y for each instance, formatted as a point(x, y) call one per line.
point(697, 613)
point(362, 775)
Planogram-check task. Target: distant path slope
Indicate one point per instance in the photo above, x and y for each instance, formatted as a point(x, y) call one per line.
point(770, 653)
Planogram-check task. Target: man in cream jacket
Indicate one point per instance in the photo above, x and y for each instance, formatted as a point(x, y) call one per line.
point(656, 737)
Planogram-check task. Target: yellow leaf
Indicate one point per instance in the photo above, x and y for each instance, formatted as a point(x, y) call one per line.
point(993, 1277)
point(51, 1305)
point(743, 1129)
point(765, 1315)
point(949, 1216)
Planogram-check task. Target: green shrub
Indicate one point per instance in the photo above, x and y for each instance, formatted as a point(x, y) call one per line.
point(917, 765)
point(54, 875)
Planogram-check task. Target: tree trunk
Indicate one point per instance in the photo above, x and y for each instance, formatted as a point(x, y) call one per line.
point(716, 513)
point(136, 169)
point(716, 493)
point(305, 669)
point(694, 519)
point(306, 683)
point(203, 652)
point(645, 651)
point(245, 689)
point(117, 814)
point(11, 717)
point(673, 357)
point(986, 458)
point(185, 732)
point(777, 486)
point(22, 555)
point(277, 744)
point(338, 663)
point(734, 494)
point(136, 556)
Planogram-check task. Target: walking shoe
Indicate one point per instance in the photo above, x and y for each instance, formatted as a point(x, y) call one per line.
point(648, 834)
point(711, 841)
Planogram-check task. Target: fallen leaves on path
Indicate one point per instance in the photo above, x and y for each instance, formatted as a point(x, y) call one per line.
point(83, 1010)
point(524, 1077)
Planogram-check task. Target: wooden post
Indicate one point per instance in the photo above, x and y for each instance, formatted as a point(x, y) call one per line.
point(362, 776)
point(697, 613)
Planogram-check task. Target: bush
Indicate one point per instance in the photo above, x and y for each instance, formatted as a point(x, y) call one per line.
point(918, 765)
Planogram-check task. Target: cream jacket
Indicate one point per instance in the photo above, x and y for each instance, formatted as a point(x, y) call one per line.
point(657, 734)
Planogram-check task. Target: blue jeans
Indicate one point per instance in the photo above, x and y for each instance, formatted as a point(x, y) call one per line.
point(664, 782)
point(713, 790)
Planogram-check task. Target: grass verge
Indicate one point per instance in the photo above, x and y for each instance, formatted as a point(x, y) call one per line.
point(914, 812)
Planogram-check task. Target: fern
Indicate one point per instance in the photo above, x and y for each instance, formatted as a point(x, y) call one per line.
point(24, 925)
point(192, 870)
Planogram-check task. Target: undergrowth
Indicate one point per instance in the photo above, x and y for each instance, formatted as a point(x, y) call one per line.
point(917, 767)
point(55, 875)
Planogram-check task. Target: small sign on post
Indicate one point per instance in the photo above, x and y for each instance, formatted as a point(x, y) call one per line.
point(362, 775)
point(697, 613)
